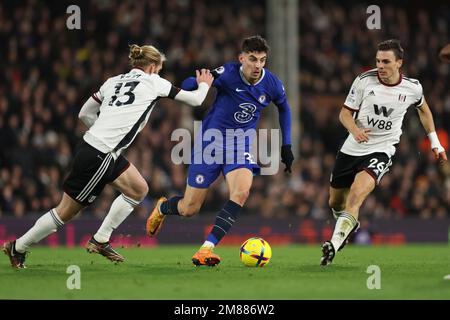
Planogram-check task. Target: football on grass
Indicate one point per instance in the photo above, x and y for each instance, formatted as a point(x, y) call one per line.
point(255, 252)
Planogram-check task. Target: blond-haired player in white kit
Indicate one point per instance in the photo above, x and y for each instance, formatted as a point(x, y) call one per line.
point(114, 115)
point(373, 114)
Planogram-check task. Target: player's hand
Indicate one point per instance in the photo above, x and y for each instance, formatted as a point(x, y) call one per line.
point(204, 75)
point(361, 135)
point(287, 157)
point(444, 54)
point(440, 155)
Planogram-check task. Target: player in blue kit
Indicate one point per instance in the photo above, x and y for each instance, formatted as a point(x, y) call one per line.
point(243, 90)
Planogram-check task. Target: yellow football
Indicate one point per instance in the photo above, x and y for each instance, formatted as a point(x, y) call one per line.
point(255, 252)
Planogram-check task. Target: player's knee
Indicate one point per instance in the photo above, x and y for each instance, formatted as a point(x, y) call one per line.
point(138, 191)
point(240, 196)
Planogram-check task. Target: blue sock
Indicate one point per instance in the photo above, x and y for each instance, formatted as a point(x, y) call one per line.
point(224, 221)
point(170, 207)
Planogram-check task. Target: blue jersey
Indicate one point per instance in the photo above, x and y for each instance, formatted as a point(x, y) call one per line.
point(236, 111)
point(238, 103)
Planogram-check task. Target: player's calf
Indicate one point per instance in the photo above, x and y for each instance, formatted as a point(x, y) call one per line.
point(189, 209)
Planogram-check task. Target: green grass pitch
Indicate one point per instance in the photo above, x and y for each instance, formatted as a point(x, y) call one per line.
point(166, 272)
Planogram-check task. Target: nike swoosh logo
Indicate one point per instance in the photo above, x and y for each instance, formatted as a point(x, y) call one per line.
point(239, 90)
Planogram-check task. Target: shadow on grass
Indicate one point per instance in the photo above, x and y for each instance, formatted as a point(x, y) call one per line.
point(331, 268)
point(109, 269)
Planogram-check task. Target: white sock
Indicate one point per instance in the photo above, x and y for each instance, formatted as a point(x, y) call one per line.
point(208, 244)
point(344, 225)
point(119, 211)
point(45, 225)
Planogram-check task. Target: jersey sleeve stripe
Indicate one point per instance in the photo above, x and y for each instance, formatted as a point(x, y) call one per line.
point(416, 82)
point(95, 98)
point(173, 92)
point(418, 103)
point(349, 108)
point(368, 74)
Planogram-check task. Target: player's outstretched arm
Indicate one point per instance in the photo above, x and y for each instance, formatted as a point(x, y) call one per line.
point(88, 112)
point(190, 83)
point(195, 98)
point(426, 118)
point(284, 112)
point(346, 118)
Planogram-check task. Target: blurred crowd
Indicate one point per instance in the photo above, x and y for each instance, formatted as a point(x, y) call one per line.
point(335, 47)
point(49, 71)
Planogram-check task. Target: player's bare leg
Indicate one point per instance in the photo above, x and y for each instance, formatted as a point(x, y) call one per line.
point(68, 208)
point(362, 186)
point(239, 182)
point(192, 201)
point(186, 206)
point(347, 222)
point(44, 226)
point(337, 200)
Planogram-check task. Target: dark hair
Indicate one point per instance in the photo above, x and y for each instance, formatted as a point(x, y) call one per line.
point(255, 44)
point(393, 45)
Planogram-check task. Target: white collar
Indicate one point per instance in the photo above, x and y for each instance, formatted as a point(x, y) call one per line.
point(139, 70)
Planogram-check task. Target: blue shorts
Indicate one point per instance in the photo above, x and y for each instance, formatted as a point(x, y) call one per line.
point(202, 175)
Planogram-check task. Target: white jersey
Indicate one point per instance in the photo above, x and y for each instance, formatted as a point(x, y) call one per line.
point(380, 108)
point(126, 103)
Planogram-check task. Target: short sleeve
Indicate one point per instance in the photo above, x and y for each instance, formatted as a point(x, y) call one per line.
point(419, 98)
point(164, 88)
point(100, 94)
point(354, 97)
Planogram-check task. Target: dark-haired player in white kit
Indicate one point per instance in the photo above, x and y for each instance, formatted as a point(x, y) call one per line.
point(373, 114)
point(125, 103)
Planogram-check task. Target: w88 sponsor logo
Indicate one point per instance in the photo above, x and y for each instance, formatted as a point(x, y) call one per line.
point(380, 124)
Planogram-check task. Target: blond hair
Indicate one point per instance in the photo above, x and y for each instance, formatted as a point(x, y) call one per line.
point(142, 56)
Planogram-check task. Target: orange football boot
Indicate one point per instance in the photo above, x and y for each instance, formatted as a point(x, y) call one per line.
point(205, 257)
point(155, 220)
